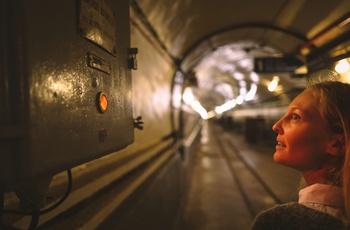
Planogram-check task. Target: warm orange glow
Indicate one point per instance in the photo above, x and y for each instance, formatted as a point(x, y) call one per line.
point(103, 102)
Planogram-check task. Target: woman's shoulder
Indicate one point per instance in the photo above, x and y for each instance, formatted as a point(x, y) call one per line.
point(295, 216)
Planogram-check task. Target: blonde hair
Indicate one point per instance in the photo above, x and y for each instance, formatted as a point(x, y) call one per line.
point(334, 98)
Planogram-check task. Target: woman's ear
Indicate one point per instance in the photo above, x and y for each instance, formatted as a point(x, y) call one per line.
point(336, 145)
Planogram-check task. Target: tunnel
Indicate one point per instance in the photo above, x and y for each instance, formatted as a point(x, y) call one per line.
point(108, 107)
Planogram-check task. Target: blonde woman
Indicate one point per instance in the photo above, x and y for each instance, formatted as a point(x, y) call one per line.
point(313, 137)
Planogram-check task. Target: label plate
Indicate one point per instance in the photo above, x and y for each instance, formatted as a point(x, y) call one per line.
point(97, 23)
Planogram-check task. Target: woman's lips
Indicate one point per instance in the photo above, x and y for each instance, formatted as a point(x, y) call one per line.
point(280, 145)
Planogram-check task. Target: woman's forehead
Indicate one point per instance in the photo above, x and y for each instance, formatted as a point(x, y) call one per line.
point(306, 98)
point(307, 101)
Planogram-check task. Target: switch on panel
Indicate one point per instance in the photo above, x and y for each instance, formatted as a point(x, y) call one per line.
point(102, 102)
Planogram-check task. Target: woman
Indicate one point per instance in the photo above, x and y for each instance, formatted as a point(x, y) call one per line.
point(313, 137)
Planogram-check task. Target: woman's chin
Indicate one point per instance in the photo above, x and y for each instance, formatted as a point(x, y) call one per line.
point(279, 158)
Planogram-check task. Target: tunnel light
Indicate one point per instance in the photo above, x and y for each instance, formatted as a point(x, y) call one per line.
point(243, 88)
point(273, 84)
point(301, 70)
point(225, 107)
point(176, 98)
point(239, 99)
point(199, 109)
point(238, 76)
point(251, 94)
point(255, 78)
point(246, 63)
point(188, 96)
point(190, 100)
point(242, 84)
point(244, 95)
point(342, 66)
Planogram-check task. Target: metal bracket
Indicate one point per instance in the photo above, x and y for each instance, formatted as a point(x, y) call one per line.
point(132, 58)
point(138, 123)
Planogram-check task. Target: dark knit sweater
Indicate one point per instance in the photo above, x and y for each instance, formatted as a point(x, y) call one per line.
point(295, 216)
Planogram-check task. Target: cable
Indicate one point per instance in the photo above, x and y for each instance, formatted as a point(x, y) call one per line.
point(35, 219)
point(58, 203)
point(69, 189)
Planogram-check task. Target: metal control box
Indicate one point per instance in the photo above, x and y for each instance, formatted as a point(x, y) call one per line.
point(65, 85)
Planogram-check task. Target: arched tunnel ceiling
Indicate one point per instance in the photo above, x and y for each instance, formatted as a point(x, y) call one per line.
point(218, 40)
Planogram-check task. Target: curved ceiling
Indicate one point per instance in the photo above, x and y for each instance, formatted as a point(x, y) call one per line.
point(219, 40)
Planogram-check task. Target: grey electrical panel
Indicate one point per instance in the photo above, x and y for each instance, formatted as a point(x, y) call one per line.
point(65, 85)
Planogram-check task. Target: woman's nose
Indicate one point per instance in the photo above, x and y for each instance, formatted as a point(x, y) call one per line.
point(277, 127)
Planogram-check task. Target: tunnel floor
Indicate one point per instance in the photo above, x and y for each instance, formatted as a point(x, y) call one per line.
point(232, 181)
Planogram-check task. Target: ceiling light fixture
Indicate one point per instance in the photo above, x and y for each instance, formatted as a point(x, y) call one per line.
point(342, 66)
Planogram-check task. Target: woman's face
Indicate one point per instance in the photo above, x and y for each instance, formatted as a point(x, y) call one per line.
point(302, 135)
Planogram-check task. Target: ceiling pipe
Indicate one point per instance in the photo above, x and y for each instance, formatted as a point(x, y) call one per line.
point(325, 34)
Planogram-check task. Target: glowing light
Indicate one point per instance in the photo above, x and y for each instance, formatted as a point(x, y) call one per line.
point(254, 77)
point(342, 66)
point(188, 96)
point(239, 99)
point(103, 102)
point(190, 100)
point(243, 87)
point(273, 84)
point(199, 109)
point(177, 90)
point(246, 63)
point(242, 84)
point(251, 94)
point(238, 76)
point(225, 107)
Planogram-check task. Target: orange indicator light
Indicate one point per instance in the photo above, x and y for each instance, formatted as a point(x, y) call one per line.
point(102, 102)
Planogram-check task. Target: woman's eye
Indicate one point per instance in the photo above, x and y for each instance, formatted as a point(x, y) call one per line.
point(295, 117)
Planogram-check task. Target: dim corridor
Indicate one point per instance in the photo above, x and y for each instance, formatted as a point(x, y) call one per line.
point(232, 181)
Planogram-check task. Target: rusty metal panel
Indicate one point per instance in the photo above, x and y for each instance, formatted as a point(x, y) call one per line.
point(65, 85)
